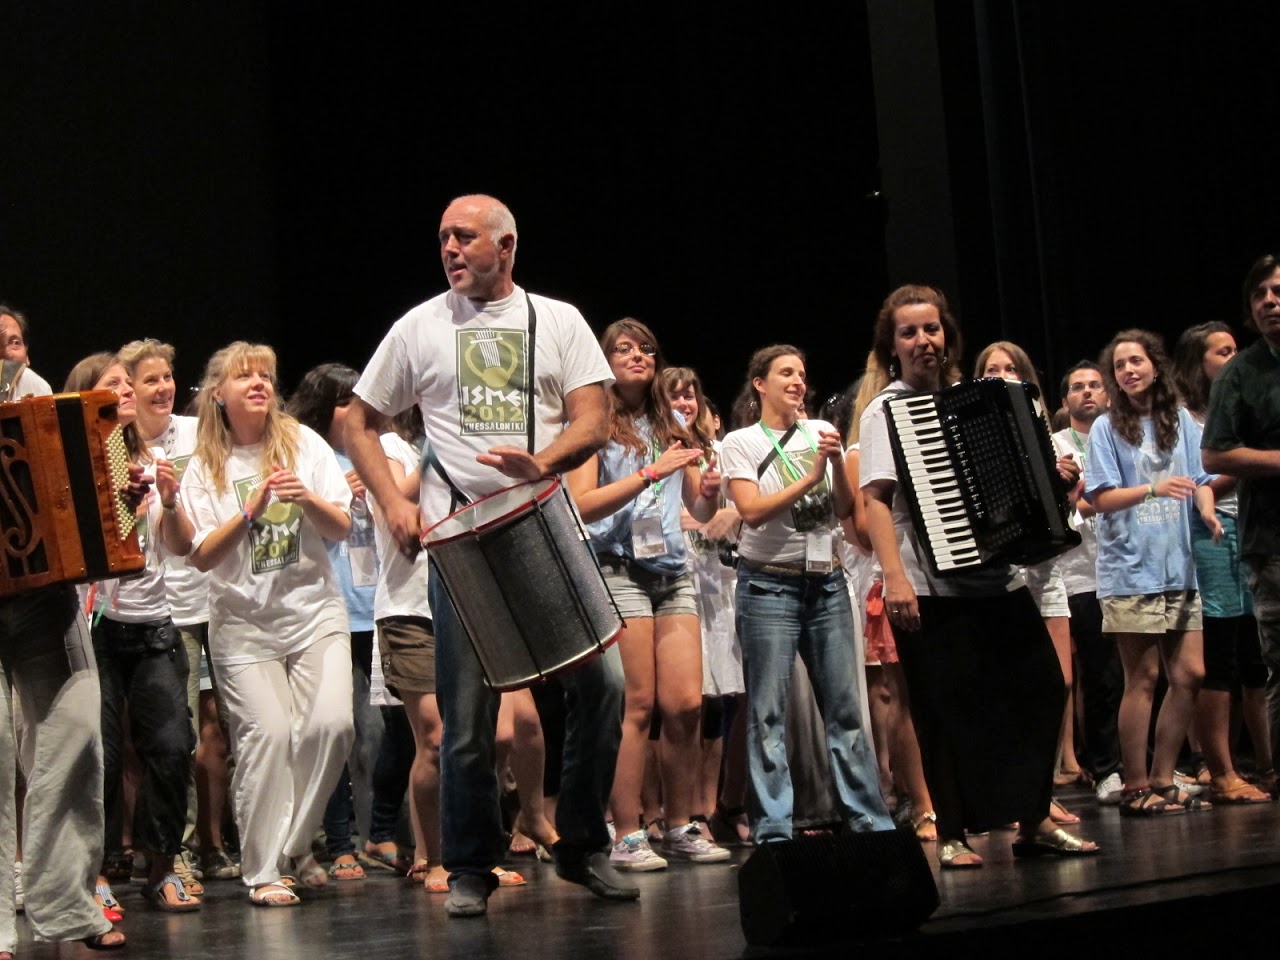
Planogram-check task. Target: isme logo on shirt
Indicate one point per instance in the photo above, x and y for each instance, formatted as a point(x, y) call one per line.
point(275, 537)
point(492, 388)
point(1153, 465)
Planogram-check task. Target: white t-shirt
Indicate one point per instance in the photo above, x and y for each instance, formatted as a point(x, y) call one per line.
point(188, 587)
point(1079, 564)
point(782, 539)
point(143, 598)
point(465, 364)
point(31, 384)
point(402, 583)
point(275, 594)
point(877, 463)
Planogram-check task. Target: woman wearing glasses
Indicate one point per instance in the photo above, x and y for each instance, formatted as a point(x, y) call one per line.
point(630, 495)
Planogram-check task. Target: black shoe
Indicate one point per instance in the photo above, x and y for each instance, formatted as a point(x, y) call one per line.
point(595, 873)
point(468, 896)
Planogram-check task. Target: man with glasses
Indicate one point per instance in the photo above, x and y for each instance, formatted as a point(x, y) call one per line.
point(1242, 439)
point(467, 357)
point(1101, 681)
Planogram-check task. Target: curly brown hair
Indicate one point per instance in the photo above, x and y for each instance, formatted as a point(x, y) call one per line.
point(1125, 418)
point(886, 326)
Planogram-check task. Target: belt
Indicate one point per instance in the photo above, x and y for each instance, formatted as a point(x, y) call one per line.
point(794, 569)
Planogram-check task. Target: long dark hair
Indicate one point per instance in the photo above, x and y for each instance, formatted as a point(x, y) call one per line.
point(746, 407)
point(1188, 364)
point(657, 403)
point(321, 390)
point(85, 375)
point(1164, 400)
point(678, 379)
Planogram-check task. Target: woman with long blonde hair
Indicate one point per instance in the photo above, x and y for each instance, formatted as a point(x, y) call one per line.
point(265, 493)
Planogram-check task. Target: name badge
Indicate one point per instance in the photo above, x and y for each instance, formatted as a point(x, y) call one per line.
point(817, 551)
point(646, 536)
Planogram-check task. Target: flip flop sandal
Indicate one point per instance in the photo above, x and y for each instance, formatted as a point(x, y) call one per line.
point(273, 895)
point(508, 878)
point(924, 825)
point(1060, 814)
point(950, 852)
point(342, 872)
point(108, 899)
point(153, 893)
point(1237, 791)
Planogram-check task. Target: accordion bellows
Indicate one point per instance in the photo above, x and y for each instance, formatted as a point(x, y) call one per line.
point(62, 518)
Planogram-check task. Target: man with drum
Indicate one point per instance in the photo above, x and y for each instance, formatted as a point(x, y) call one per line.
point(465, 357)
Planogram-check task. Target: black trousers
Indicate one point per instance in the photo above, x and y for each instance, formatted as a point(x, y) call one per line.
point(1101, 685)
point(142, 668)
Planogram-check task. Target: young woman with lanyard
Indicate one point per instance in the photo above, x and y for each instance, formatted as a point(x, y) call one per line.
point(787, 480)
point(630, 495)
point(985, 687)
point(265, 494)
point(142, 663)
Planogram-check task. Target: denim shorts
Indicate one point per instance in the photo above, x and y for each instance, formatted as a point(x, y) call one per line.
point(640, 593)
point(1172, 610)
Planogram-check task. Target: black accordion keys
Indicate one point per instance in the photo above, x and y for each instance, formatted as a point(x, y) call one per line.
point(62, 517)
point(980, 475)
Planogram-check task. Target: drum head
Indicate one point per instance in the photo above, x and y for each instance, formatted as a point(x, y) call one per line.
point(487, 512)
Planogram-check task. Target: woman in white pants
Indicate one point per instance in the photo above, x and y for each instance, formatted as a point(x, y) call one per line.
point(264, 492)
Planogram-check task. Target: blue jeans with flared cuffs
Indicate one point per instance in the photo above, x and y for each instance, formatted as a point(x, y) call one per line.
point(777, 615)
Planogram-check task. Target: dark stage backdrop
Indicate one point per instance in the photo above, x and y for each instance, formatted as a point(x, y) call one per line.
point(205, 172)
point(280, 173)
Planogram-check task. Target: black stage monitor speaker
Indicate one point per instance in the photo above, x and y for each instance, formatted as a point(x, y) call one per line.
point(823, 889)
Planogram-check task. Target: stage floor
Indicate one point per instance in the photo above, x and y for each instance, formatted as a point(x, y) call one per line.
point(1171, 871)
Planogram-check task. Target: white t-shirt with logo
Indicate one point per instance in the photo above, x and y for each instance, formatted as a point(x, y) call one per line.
point(782, 539)
point(1079, 564)
point(465, 364)
point(188, 588)
point(275, 594)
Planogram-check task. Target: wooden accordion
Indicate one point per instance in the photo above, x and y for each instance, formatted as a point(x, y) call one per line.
point(62, 517)
point(978, 469)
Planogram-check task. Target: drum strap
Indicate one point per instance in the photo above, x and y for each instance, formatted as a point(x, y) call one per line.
point(456, 497)
point(781, 445)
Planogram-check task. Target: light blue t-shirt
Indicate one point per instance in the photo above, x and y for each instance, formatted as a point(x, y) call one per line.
point(1147, 548)
point(359, 599)
point(611, 535)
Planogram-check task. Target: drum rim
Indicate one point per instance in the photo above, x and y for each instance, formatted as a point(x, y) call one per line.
point(553, 484)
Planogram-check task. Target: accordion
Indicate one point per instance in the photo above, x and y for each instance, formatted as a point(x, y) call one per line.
point(980, 476)
point(62, 518)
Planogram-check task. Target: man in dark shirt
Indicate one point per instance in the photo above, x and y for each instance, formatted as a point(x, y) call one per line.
point(1242, 438)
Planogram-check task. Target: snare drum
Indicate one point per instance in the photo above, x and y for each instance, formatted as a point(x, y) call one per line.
point(526, 585)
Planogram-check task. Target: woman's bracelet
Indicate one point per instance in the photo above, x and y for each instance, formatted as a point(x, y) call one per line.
point(248, 517)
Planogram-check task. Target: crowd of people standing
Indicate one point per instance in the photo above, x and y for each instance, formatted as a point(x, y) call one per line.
point(290, 659)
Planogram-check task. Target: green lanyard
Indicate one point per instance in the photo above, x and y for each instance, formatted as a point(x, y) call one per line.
point(656, 487)
point(786, 461)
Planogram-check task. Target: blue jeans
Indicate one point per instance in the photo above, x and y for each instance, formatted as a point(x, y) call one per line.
point(778, 615)
point(470, 820)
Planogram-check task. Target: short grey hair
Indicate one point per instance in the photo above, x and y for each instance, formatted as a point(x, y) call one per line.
point(498, 219)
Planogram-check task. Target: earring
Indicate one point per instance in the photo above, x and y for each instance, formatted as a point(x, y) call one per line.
point(894, 372)
point(220, 402)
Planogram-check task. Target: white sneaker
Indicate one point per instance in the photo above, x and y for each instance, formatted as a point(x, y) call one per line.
point(633, 852)
point(688, 843)
point(1108, 789)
